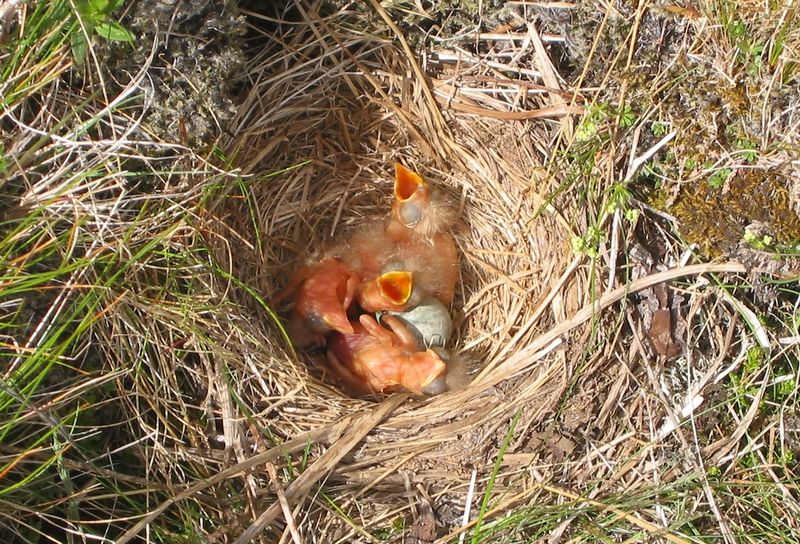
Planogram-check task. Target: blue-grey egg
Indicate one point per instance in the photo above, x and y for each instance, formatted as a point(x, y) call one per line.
point(429, 321)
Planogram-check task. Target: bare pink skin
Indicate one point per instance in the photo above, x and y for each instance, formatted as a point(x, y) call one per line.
point(322, 294)
point(376, 360)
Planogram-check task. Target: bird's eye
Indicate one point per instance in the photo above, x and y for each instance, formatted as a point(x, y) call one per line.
point(435, 387)
point(316, 323)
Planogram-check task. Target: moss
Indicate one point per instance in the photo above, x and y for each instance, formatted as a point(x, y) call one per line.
point(716, 218)
point(198, 63)
point(725, 115)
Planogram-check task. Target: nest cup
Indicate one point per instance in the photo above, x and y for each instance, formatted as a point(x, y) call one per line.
point(329, 112)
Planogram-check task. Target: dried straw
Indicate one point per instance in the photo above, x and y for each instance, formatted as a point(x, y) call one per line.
point(332, 106)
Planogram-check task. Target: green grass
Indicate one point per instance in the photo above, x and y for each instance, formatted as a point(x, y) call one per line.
point(89, 264)
point(121, 328)
point(477, 534)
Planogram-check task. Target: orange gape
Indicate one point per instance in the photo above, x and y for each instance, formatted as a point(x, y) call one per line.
point(418, 228)
point(376, 360)
point(323, 293)
point(391, 291)
point(368, 253)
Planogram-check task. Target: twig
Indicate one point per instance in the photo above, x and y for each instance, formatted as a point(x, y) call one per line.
point(641, 159)
point(493, 373)
point(548, 38)
point(464, 57)
point(468, 504)
point(322, 466)
point(561, 5)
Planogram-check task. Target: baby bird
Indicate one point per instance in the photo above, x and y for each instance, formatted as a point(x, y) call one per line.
point(323, 292)
point(365, 251)
point(413, 257)
point(418, 230)
point(417, 210)
point(376, 360)
point(385, 284)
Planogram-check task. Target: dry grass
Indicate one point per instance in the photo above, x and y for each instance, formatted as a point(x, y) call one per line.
point(344, 117)
point(570, 417)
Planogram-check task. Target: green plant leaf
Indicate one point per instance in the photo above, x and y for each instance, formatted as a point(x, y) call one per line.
point(78, 42)
point(113, 5)
point(91, 11)
point(113, 31)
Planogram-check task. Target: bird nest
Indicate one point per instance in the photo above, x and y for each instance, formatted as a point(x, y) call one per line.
point(330, 112)
point(152, 392)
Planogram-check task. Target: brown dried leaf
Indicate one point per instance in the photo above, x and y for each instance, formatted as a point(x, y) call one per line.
point(690, 12)
point(660, 334)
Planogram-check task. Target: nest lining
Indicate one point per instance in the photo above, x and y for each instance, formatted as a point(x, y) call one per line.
point(333, 111)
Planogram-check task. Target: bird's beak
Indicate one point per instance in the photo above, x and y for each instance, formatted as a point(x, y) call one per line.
point(396, 286)
point(338, 322)
point(410, 195)
point(406, 183)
